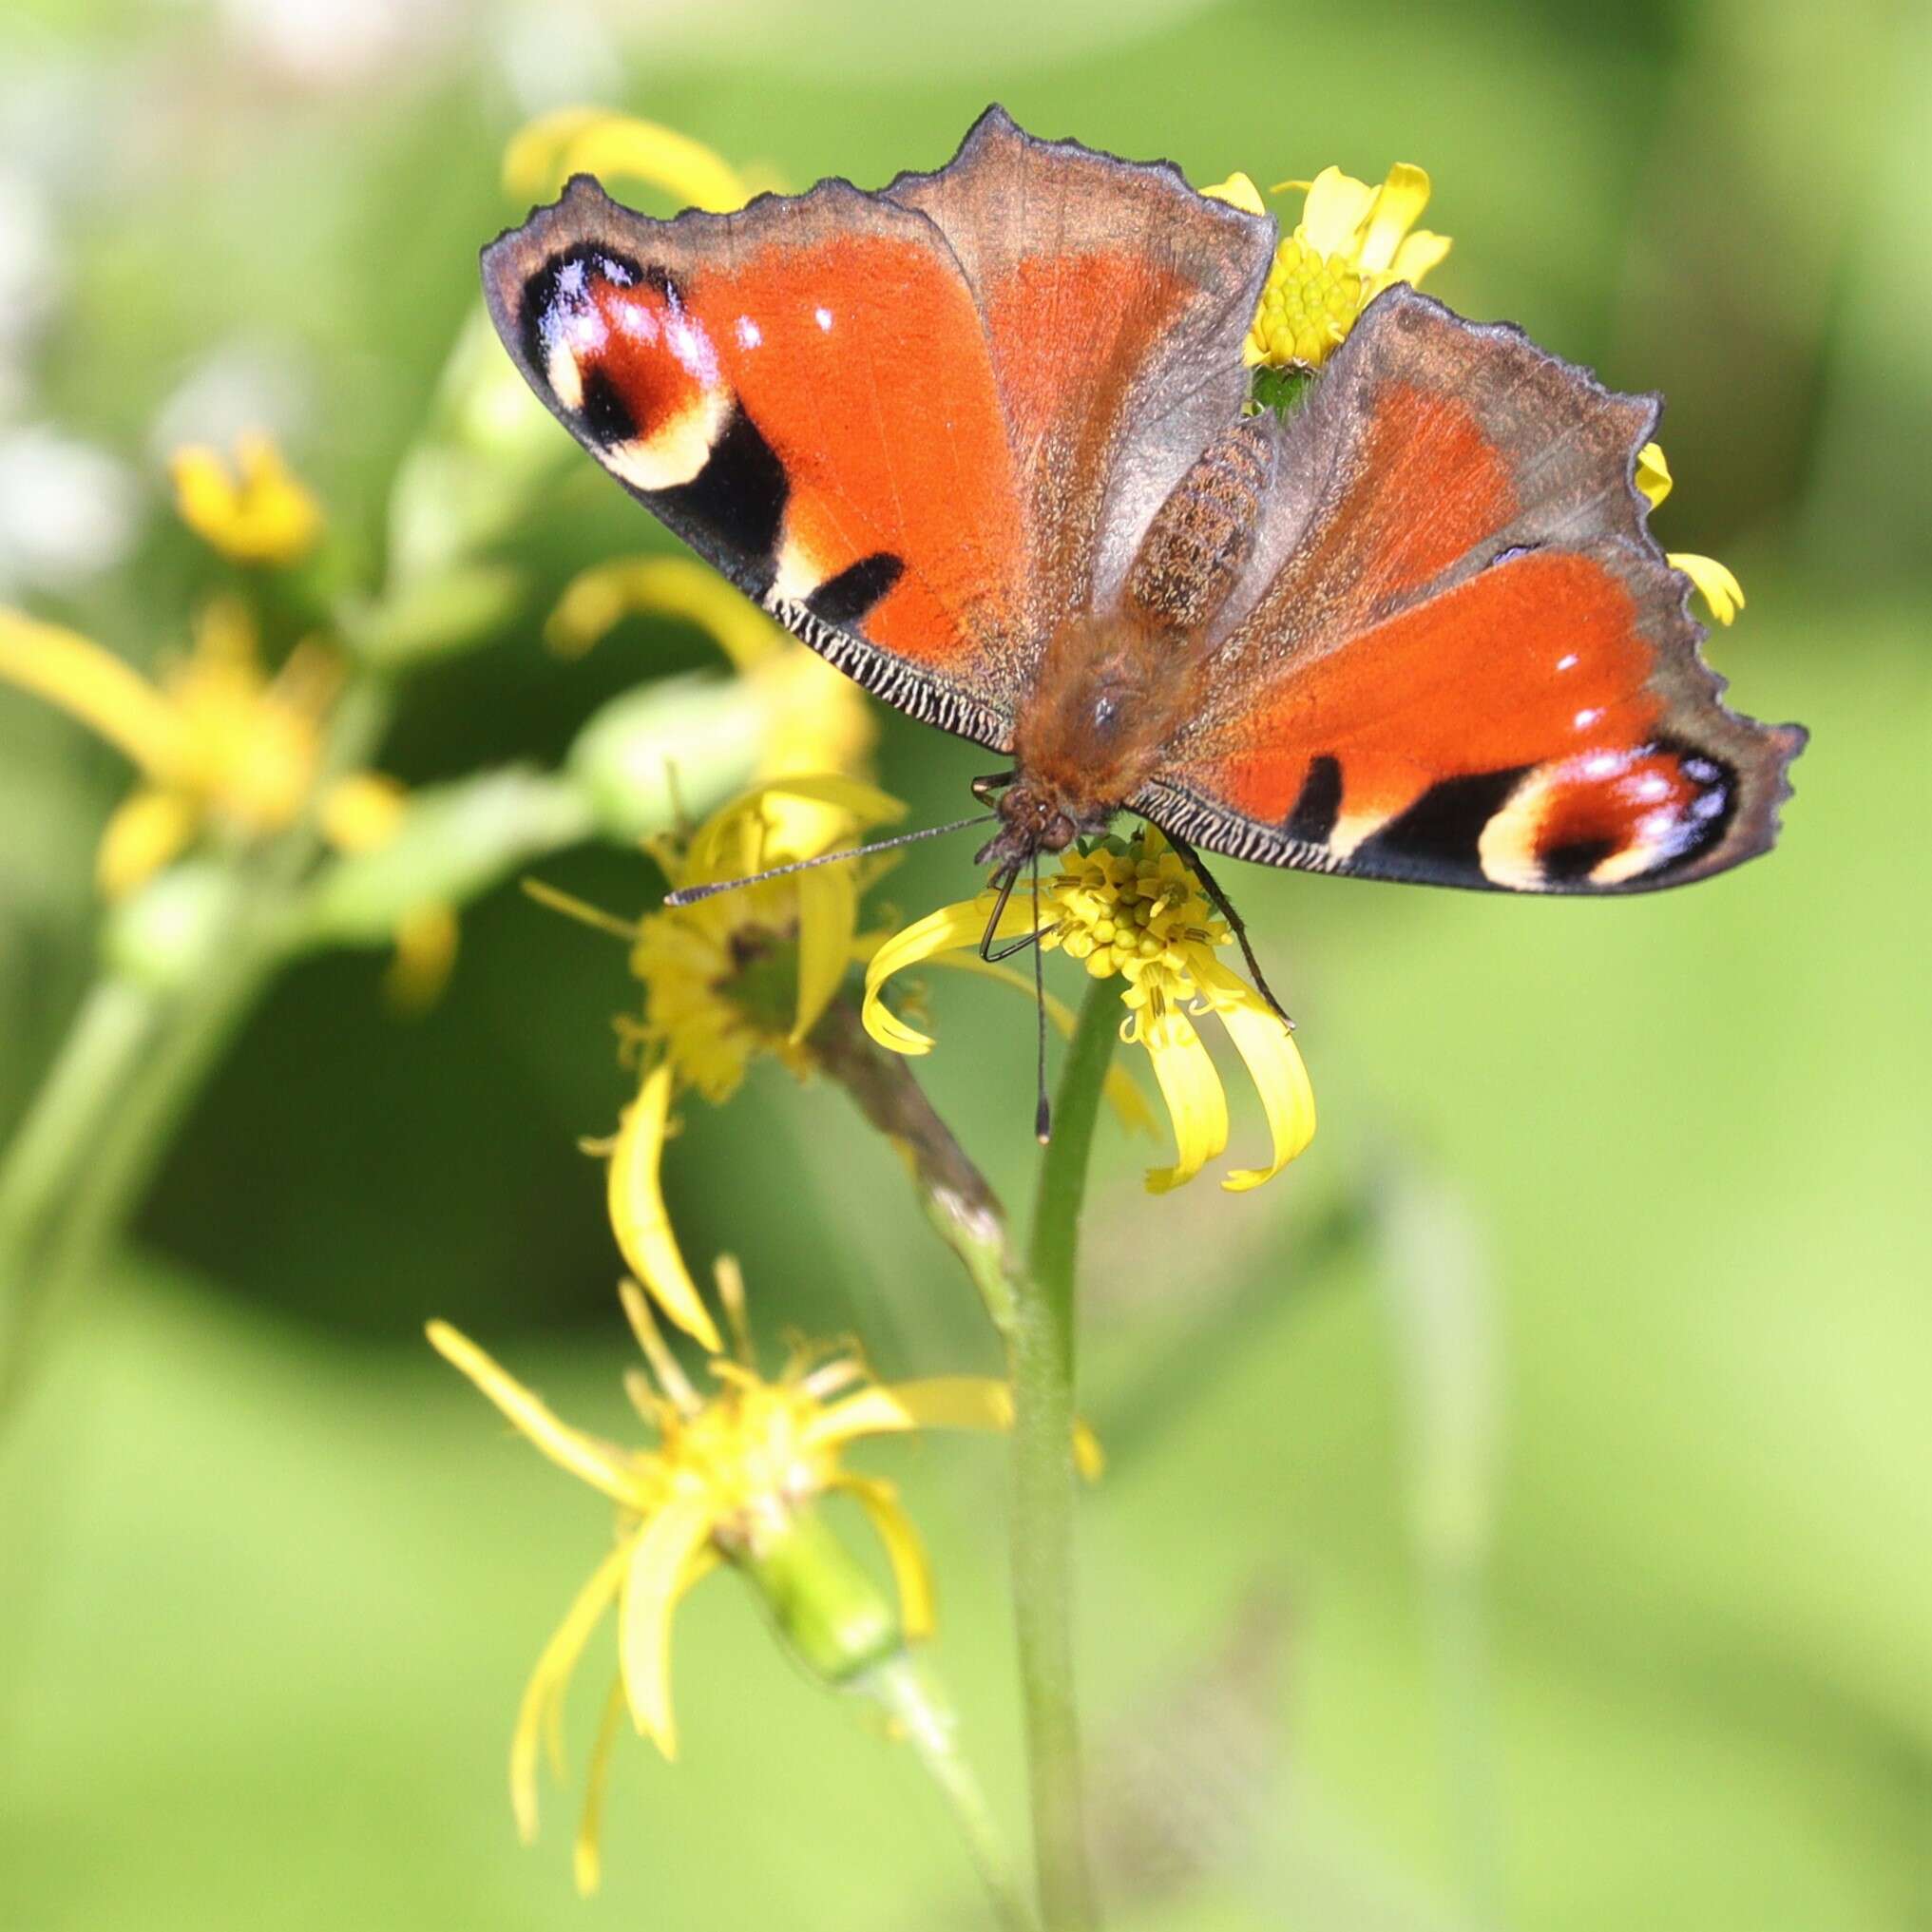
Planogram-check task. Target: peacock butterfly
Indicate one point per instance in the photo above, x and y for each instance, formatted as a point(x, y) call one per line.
point(981, 439)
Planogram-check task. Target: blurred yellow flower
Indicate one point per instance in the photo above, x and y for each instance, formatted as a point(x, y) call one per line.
point(733, 1475)
point(1131, 908)
point(222, 745)
point(1719, 589)
point(1353, 241)
point(819, 720)
point(593, 141)
point(256, 512)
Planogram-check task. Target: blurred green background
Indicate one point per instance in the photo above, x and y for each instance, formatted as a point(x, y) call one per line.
point(1521, 1513)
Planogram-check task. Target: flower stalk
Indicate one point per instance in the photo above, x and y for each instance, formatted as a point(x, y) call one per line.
point(1043, 1376)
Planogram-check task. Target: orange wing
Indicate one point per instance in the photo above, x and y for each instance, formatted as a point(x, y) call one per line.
point(1460, 657)
point(912, 424)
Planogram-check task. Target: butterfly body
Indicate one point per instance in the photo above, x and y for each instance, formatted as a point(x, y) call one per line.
point(981, 440)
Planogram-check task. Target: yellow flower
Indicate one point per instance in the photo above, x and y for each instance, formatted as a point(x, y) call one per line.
point(1353, 241)
point(592, 141)
point(257, 512)
point(1719, 589)
point(819, 719)
point(1131, 908)
point(733, 1475)
point(221, 745)
point(733, 976)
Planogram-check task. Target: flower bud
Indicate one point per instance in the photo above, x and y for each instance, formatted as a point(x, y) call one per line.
point(836, 1619)
point(164, 935)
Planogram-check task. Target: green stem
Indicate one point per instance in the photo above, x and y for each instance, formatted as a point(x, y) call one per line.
point(1042, 1368)
point(132, 1064)
point(925, 1722)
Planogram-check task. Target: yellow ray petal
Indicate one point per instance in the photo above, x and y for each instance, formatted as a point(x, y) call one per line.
point(1238, 191)
point(1719, 588)
point(828, 918)
point(1274, 1063)
point(587, 1858)
point(1196, 1103)
point(639, 1218)
point(425, 944)
point(362, 812)
point(544, 1694)
point(108, 696)
point(938, 1402)
point(594, 142)
point(146, 831)
point(1123, 1094)
point(657, 1578)
point(596, 600)
point(911, 1571)
point(259, 512)
point(671, 1378)
point(591, 1461)
point(1653, 473)
point(951, 929)
point(1419, 254)
point(1333, 216)
point(1396, 208)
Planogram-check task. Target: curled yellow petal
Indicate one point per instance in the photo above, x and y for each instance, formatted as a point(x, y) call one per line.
point(1417, 254)
point(110, 697)
point(659, 1574)
point(1274, 1063)
point(1196, 1103)
point(1653, 473)
point(951, 929)
point(598, 599)
point(145, 832)
point(1122, 1093)
point(592, 141)
point(591, 1461)
point(911, 1570)
point(637, 1216)
point(1238, 191)
point(548, 1683)
point(587, 1858)
point(1720, 590)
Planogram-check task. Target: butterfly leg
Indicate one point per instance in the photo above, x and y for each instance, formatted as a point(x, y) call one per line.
point(1191, 859)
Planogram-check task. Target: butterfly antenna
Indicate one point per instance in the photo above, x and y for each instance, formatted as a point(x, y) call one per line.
point(1224, 906)
point(1042, 1112)
point(689, 895)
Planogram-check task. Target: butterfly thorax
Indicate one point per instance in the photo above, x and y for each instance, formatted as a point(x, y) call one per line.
point(1113, 686)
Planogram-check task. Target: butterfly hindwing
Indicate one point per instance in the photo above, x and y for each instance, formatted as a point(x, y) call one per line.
point(1460, 657)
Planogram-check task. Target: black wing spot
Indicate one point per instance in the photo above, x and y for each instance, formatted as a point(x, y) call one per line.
point(1440, 835)
point(603, 414)
point(1568, 865)
point(739, 497)
point(844, 599)
point(1313, 820)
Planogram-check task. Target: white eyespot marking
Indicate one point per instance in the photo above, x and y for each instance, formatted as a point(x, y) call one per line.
point(798, 573)
point(1587, 717)
point(638, 321)
point(823, 317)
point(1653, 788)
point(1701, 771)
point(688, 342)
point(749, 334)
point(677, 449)
point(1602, 765)
point(1568, 661)
point(1352, 827)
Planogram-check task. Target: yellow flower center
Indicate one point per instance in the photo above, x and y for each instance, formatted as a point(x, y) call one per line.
point(1307, 307)
point(748, 1457)
point(1137, 912)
